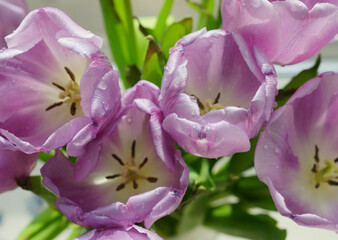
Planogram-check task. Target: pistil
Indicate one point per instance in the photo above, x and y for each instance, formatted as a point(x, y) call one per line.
point(326, 174)
point(209, 104)
point(69, 93)
point(131, 172)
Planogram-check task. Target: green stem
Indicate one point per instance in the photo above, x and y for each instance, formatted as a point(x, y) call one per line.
point(162, 19)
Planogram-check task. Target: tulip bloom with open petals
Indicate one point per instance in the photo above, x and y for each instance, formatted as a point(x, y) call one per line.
point(119, 233)
point(287, 31)
point(132, 174)
point(56, 84)
point(14, 164)
point(216, 93)
point(297, 154)
point(12, 12)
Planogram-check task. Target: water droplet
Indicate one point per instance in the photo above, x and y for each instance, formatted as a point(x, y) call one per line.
point(129, 120)
point(265, 146)
point(102, 85)
point(276, 150)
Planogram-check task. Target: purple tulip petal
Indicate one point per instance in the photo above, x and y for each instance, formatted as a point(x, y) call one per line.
point(216, 93)
point(14, 164)
point(57, 84)
point(132, 233)
point(296, 155)
point(11, 14)
point(129, 167)
point(288, 31)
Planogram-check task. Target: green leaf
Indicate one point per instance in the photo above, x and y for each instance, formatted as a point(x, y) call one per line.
point(162, 19)
point(285, 93)
point(243, 161)
point(47, 225)
point(206, 14)
point(44, 157)
point(205, 179)
point(174, 32)
point(119, 24)
point(154, 63)
point(251, 191)
point(166, 226)
point(133, 74)
point(34, 184)
point(193, 214)
point(76, 231)
point(232, 220)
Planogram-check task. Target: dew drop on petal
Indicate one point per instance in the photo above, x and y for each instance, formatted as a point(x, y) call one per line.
point(276, 150)
point(129, 120)
point(102, 85)
point(265, 146)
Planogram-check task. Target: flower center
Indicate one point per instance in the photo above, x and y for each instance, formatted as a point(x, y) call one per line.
point(131, 172)
point(325, 173)
point(209, 104)
point(69, 93)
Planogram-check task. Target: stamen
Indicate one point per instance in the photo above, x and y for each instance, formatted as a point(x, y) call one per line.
point(336, 160)
point(317, 185)
point(53, 106)
point(151, 179)
point(133, 149)
point(118, 159)
point(73, 108)
point(120, 187)
point(316, 157)
point(332, 183)
point(70, 73)
point(135, 184)
point(143, 163)
point(59, 86)
point(217, 98)
point(113, 176)
point(314, 168)
point(199, 103)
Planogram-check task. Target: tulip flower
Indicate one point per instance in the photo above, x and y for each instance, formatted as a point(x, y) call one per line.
point(130, 174)
point(11, 14)
point(216, 93)
point(56, 84)
point(297, 154)
point(13, 165)
point(289, 31)
point(132, 233)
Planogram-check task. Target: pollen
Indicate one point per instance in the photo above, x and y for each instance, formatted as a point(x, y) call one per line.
point(324, 171)
point(132, 173)
point(70, 93)
point(209, 105)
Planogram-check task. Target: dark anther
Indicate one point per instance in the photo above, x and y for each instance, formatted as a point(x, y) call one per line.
point(317, 185)
point(200, 105)
point(332, 183)
point(143, 163)
point(133, 149)
point(73, 108)
point(336, 160)
point(120, 187)
point(113, 176)
point(135, 184)
point(54, 105)
point(314, 168)
point(70, 73)
point(152, 179)
point(217, 98)
point(59, 86)
point(316, 157)
point(118, 159)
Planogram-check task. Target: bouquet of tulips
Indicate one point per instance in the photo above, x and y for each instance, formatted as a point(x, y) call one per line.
point(188, 127)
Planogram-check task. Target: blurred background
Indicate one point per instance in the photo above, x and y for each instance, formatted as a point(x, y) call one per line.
point(17, 208)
